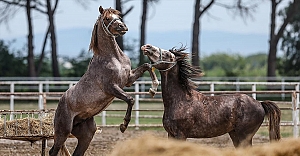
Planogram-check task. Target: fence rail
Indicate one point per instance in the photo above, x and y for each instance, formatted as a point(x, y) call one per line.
point(47, 90)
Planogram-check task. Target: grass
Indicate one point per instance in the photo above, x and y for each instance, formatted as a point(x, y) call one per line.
point(286, 131)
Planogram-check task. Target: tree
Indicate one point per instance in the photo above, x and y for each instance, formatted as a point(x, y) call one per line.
point(291, 45)
point(224, 64)
point(196, 30)
point(244, 10)
point(78, 65)
point(10, 10)
point(143, 27)
point(50, 13)
point(11, 65)
point(30, 47)
point(275, 36)
point(230, 65)
point(119, 6)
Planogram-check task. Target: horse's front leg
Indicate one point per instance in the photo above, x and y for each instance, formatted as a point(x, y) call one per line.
point(121, 94)
point(138, 72)
point(155, 82)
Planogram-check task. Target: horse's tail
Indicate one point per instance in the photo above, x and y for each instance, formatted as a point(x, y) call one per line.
point(274, 113)
point(64, 151)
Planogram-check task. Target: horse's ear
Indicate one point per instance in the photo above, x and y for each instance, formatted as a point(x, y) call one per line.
point(101, 10)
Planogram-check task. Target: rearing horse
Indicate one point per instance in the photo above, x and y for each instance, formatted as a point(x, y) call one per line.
point(190, 114)
point(108, 73)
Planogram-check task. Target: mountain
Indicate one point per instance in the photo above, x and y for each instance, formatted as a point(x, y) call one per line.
point(72, 41)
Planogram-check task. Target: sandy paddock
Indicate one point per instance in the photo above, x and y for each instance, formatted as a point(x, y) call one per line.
point(104, 143)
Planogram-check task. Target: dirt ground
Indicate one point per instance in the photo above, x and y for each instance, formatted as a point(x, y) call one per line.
point(104, 142)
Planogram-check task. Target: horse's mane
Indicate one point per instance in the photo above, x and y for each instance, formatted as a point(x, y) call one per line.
point(186, 70)
point(94, 38)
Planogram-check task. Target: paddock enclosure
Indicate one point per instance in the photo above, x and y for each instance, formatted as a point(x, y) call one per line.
point(34, 100)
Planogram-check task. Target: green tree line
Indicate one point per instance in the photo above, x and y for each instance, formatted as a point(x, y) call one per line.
point(13, 63)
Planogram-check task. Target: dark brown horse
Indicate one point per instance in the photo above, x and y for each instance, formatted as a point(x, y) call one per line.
point(108, 73)
point(190, 114)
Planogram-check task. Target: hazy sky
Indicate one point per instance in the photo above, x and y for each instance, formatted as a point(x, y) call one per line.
point(164, 16)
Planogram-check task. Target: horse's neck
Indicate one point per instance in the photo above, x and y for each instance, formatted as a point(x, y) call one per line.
point(171, 88)
point(107, 44)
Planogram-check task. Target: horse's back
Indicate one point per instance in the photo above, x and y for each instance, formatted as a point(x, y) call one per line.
point(242, 107)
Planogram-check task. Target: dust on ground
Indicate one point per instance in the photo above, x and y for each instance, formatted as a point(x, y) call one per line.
point(103, 143)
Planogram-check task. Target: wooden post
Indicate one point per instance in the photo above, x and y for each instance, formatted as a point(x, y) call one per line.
point(254, 89)
point(41, 105)
point(103, 118)
point(137, 106)
point(295, 105)
point(12, 100)
point(237, 84)
point(44, 101)
point(282, 89)
point(43, 146)
point(212, 88)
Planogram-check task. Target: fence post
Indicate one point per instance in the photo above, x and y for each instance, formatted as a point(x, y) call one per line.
point(295, 106)
point(137, 106)
point(143, 87)
point(103, 118)
point(70, 85)
point(47, 85)
point(282, 89)
point(12, 102)
point(212, 88)
point(297, 90)
point(253, 90)
point(237, 84)
point(44, 100)
point(41, 105)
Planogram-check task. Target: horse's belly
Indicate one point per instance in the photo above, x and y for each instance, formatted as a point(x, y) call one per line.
point(192, 128)
point(96, 107)
point(88, 105)
point(208, 131)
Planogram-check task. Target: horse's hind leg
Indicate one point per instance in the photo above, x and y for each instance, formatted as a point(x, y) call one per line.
point(242, 138)
point(62, 130)
point(84, 132)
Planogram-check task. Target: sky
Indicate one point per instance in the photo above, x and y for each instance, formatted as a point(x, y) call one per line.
point(169, 24)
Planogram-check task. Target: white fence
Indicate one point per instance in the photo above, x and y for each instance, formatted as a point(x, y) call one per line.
point(45, 90)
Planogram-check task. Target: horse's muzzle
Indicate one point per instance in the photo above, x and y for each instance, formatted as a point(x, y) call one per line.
point(122, 29)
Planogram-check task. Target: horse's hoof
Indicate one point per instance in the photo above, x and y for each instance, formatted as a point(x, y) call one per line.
point(122, 128)
point(151, 92)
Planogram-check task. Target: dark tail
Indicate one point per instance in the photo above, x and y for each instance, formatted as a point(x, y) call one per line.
point(274, 114)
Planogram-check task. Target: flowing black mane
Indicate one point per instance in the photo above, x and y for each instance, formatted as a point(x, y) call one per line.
point(186, 70)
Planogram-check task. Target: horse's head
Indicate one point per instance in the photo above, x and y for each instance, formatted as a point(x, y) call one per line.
point(111, 22)
point(161, 59)
point(174, 60)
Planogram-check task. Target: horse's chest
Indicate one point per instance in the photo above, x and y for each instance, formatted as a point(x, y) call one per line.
point(119, 68)
point(180, 112)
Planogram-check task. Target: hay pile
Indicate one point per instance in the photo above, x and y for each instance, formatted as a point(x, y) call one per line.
point(28, 126)
point(153, 146)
